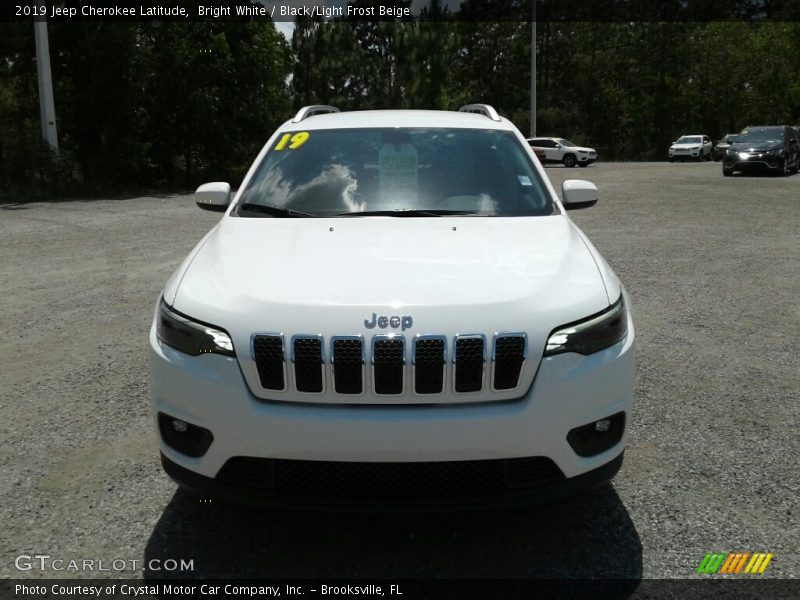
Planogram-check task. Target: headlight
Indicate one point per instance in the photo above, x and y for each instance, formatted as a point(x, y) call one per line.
point(191, 337)
point(591, 335)
point(775, 152)
point(696, 148)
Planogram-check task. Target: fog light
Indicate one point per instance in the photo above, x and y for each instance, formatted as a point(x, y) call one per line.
point(184, 437)
point(597, 436)
point(601, 425)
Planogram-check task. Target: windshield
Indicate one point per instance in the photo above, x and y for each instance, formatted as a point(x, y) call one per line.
point(419, 172)
point(689, 139)
point(566, 143)
point(761, 134)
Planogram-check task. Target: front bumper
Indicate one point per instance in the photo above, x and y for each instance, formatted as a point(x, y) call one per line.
point(209, 486)
point(755, 161)
point(684, 154)
point(569, 391)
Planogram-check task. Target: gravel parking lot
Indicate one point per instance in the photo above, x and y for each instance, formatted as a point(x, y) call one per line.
point(713, 268)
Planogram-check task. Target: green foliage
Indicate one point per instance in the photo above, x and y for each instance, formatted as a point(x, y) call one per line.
point(628, 89)
point(174, 104)
point(141, 105)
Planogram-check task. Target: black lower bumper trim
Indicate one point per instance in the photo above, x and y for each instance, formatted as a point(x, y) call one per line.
point(509, 499)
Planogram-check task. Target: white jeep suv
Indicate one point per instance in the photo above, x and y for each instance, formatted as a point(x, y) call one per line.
point(697, 147)
point(559, 150)
point(394, 311)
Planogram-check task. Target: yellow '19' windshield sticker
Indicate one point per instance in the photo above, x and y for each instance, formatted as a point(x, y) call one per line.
point(294, 140)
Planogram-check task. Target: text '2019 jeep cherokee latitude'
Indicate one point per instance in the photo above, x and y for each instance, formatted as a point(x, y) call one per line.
point(394, 311)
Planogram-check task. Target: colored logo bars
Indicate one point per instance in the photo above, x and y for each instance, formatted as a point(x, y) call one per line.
point(734, 563)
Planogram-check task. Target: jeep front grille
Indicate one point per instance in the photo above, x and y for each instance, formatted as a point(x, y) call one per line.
point(476, 367)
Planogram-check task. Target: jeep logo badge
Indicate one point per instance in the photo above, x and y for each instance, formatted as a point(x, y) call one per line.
point(395, 322)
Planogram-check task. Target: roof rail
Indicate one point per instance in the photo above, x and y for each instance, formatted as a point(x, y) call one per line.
point(481, 109)
point(314, 109)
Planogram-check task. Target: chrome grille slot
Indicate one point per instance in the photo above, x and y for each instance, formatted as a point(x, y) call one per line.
point(269, 357)
point(429, 362)
point(347, 356)
point(388, 364)
point(308, 364)
point(469, 357)
point(509, 354)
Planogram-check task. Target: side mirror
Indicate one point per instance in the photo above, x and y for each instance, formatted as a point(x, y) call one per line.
point(577, 194)
point(558, 145)
point(214, 196)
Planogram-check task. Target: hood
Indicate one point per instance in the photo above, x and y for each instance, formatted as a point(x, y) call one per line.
point(756, 146)
point(278, 272)
point(437, 276)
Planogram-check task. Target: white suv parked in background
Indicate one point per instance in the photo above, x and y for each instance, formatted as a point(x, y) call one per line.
point(395, 309)
point(559, 150)
point(698, 147)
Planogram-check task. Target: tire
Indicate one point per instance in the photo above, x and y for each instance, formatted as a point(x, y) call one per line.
point(583, 164)
point(784, 170)
point(671, 160)
point(796, 164)
point(569, 160)
point(726, 171)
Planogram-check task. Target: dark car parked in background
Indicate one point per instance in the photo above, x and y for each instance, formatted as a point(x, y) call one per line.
point(722, 146)
point(774, 148)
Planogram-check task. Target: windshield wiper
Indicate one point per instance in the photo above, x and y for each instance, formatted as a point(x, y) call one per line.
point(407, 212)
point(275, 211)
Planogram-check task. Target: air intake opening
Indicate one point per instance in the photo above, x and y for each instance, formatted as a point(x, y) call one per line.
point(308, 364)
point(268, 354)
point(509, 354)
point(347, 357)
point(388, 358)
point(469, 359)
point(429, 361)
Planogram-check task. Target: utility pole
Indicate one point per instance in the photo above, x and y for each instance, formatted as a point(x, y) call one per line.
point(47, 107)
point(533, 68)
